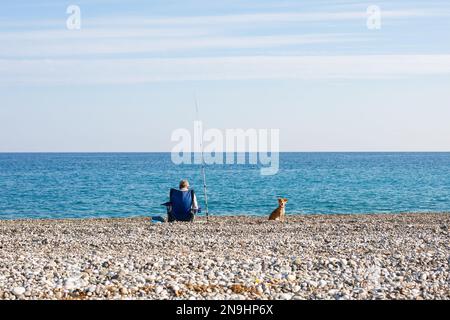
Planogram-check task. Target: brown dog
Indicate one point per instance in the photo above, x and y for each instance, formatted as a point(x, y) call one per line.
point(280, 212)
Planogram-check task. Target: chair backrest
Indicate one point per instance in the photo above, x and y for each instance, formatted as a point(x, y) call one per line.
point(181, 204)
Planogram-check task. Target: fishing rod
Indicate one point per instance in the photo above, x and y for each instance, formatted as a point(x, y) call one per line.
point(202, 164)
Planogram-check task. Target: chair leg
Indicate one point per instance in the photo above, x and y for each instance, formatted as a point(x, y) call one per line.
point(170, 217)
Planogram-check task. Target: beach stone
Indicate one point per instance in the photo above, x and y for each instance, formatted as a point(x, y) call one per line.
point(71, 284)
point(333, 292)
point(204, 261)
point(291, 277)
point(18, 291)
point(278, 276)
point(296, 288)
point(286, 296)
point(322, 283)
point(124, 291)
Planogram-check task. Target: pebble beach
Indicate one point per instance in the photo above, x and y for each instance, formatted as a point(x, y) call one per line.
point(385, 256)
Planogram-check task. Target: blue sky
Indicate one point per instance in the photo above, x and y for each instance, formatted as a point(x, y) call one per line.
point(312, 69)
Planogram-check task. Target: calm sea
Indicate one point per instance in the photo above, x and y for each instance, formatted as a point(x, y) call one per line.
point(77, 185)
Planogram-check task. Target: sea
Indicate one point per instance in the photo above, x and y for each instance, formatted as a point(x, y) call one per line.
point(94, 185)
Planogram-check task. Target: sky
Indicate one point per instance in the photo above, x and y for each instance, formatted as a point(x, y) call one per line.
point(128, 77)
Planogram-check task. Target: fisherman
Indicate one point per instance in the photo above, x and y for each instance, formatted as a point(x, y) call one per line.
point(183, 205)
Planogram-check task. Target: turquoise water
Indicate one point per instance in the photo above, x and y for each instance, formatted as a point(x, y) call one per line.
point(135, 184)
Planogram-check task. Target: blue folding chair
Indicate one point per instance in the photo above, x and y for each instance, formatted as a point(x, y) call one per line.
point(180, 206)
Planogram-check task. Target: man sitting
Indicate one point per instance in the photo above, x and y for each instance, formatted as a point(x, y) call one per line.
point(183, 203)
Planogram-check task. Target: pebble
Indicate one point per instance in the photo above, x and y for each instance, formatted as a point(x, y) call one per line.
point(228, 258)
point(18, 291)
point(286, 296)
point(278, 276)
point(71, 284)
point(124, 291)
point(291, 277)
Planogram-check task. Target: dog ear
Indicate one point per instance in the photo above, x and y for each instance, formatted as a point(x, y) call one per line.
point(285, 200)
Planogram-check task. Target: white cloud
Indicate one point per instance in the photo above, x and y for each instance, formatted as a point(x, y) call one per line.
point(131, 71)
point(229, 19)
point(166, 35)
point(99, 33)
point(260, 18)
point(105, 43)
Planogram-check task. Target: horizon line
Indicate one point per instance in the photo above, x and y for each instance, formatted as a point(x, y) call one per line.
point(319, 151)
